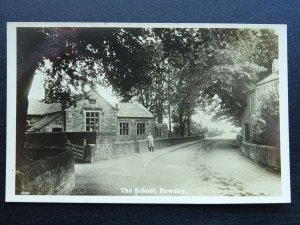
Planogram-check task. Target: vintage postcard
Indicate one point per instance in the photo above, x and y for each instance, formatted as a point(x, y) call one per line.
point(147, 113)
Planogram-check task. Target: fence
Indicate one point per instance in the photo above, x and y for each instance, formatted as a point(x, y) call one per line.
point(78, 150)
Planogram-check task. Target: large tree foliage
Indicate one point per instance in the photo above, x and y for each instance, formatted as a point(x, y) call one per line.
point(209, 67)
point(265, 121)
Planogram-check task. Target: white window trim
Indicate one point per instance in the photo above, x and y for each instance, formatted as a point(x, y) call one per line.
point(100, 118)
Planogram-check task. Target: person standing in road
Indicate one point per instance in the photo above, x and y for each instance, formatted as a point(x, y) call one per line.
point(150, 142)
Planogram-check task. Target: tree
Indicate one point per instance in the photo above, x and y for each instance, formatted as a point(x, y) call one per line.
point(233, 73)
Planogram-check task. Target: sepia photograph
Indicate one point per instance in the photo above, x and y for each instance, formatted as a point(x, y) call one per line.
point(147, 113)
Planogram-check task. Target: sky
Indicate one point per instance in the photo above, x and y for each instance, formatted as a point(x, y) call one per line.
point(37, 92)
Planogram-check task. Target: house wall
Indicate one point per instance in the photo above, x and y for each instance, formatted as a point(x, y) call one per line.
point(75, 116)
point(245, 119)
point(34, 118)
point(132, 134)
point(56, 123)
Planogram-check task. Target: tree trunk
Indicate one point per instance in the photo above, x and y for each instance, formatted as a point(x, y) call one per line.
point(181, 124)
point(23, 87)
point(170, 120)
point(160, 113)
point(63, 109)
point(188, 123)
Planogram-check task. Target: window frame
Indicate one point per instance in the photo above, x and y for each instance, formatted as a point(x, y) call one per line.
point(85, 119)
point(139, 129)
point(159, 132)
point(122, 129)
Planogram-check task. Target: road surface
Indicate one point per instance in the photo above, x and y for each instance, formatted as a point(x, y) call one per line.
point(214, 167)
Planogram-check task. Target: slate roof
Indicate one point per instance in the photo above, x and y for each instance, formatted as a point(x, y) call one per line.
point(133, 110)
point(129, 110)
point(36, 107)
point(44, 121)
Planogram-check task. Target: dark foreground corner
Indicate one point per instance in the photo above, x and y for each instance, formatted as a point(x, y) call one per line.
point(51, 172)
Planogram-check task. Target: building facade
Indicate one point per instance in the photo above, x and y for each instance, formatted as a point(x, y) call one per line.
point(125, 121)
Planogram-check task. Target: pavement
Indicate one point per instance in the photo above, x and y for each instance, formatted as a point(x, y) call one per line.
point(213, 167)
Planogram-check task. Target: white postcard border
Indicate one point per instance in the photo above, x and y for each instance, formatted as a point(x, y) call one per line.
point(10, 196)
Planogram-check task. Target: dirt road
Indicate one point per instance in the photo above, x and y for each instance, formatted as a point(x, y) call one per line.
point(214, 167)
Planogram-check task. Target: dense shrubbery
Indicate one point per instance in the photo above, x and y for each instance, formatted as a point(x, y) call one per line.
point(265, 121)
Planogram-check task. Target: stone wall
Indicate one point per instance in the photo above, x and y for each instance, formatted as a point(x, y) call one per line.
point(108, 146)
point(51, 173)
point(104, 146)
point(124, 148)
point(165, 142)
point(268, 156)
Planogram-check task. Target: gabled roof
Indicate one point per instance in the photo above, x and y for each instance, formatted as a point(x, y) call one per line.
point(100, 96)
point(37, 107)
point(44, 121)
point(129, 110)
point(133, 110)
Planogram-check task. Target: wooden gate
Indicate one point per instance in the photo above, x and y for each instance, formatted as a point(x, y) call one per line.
point(78, 150)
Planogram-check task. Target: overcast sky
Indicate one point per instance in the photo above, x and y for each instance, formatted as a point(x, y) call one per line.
point(37, 92)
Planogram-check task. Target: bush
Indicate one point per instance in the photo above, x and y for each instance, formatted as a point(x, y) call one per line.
point(265, 122)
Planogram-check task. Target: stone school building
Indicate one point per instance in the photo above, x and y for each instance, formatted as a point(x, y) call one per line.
point(124, 121)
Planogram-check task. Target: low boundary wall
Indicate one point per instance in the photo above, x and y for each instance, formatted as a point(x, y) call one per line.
point(109, 147)
point(47, 175)
point(102, 146)
point(142, 145)
point(268, 156)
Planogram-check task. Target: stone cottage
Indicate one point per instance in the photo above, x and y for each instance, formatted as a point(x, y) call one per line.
point(125, 121)
point(265, 87)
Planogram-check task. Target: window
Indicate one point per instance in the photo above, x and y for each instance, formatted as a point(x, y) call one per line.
point(92, 121)
point(158, 132)
point(140, 128)
point(56, 129)
point(124, 128)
